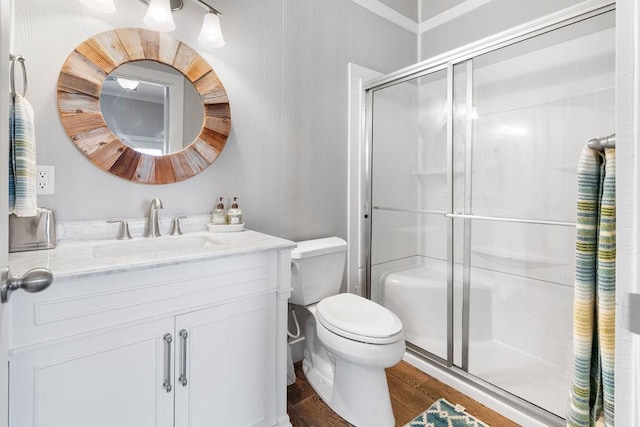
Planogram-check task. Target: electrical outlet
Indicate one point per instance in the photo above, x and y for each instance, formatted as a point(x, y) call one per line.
point(45, 179)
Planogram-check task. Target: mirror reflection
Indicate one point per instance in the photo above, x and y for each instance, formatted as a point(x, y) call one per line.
point(151, 107)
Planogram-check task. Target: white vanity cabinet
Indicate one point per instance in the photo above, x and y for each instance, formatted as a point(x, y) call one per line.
point(105, 379)
point(199, 344)
point(230, 365)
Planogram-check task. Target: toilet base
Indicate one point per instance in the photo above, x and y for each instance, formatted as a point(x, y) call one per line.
point(321, 380)
point(355, 390)
point(361, 395)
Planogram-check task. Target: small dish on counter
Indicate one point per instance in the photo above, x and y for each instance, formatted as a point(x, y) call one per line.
point(225, 228)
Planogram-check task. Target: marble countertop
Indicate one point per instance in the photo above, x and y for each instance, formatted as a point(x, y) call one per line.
point(75, 259)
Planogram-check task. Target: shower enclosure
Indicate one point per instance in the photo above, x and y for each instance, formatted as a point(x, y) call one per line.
point(472, 160)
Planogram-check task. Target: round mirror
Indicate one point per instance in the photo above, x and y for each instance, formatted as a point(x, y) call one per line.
point(151, 107)
point(119, 102)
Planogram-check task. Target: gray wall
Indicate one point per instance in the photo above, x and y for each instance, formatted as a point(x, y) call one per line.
point(489, 19)
point(148, 117)
point(193, 115)
point(285, 69)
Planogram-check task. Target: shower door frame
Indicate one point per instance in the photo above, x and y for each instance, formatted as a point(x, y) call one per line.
point(447, 62)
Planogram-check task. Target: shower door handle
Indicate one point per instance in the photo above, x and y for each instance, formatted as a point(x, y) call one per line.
point(457, 215)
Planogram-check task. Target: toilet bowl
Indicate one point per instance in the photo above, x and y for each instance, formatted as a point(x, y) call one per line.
point(349, 340)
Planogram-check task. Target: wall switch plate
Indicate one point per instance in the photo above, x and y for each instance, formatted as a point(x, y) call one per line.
point(45, 178)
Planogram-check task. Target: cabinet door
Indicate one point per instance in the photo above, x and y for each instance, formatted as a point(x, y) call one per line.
point(230, 365)
point(106, 379)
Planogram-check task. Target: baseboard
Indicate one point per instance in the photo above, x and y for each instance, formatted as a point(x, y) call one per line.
point(283, 421)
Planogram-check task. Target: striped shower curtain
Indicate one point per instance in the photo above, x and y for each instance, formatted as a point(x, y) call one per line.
point(592, 392)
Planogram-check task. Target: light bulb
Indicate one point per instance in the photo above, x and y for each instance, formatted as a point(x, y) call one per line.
point(159, 17)
point(211, 33)
point(104, 6)
point(127, 83)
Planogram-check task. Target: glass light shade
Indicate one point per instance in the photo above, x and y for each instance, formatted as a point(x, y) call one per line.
point(211, 33)
point(104, 6)
point(159, 17)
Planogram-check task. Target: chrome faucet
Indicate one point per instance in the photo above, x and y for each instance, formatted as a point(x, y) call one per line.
point(153, 229)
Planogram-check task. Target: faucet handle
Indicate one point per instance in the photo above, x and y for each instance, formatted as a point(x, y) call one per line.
point(177, 231)
point(124, 229)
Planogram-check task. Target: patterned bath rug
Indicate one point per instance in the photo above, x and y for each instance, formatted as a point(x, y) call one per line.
point(443, 414)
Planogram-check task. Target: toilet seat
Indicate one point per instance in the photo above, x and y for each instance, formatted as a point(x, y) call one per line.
point(359, 319)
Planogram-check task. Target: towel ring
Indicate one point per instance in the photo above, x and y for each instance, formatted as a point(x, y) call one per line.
point(13, 59)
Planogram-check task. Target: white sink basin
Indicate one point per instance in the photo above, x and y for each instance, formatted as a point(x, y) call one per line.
point(151, 246)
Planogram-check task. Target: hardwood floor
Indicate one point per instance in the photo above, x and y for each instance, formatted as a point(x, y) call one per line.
point(412, 391)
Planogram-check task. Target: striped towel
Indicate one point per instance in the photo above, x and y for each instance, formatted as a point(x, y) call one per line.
point(594, 292)
point(22, 157)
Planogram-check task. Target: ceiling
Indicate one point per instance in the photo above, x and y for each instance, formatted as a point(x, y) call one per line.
point(420, 15)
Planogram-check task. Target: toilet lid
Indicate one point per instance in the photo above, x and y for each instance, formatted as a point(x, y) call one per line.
point(359, 319)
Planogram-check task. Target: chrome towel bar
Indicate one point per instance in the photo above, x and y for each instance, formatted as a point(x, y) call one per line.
point(603, 142)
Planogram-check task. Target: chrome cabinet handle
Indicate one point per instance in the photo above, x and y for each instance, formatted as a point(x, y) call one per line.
point(183, 358)
point(35, 280)
point(167, 363)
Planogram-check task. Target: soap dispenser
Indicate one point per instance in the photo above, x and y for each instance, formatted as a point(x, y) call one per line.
point(235, 213)
point(219, 215)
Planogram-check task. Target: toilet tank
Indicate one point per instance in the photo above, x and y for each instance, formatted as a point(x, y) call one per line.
point(317, 267)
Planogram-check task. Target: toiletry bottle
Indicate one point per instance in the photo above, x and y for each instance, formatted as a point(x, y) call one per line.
point(235, 213)
point(219, 215)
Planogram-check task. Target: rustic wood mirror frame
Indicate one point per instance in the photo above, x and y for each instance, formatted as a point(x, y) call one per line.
point(79, 86)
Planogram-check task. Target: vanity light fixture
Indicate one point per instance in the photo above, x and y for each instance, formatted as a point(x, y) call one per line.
point(159, 18)
point(211, 33)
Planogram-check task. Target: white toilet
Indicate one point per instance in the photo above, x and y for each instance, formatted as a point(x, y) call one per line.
point(349, 340)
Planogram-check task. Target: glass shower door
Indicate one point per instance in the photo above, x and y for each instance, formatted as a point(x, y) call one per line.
point(410, 195)
point(529, 108)
point(473, 190)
